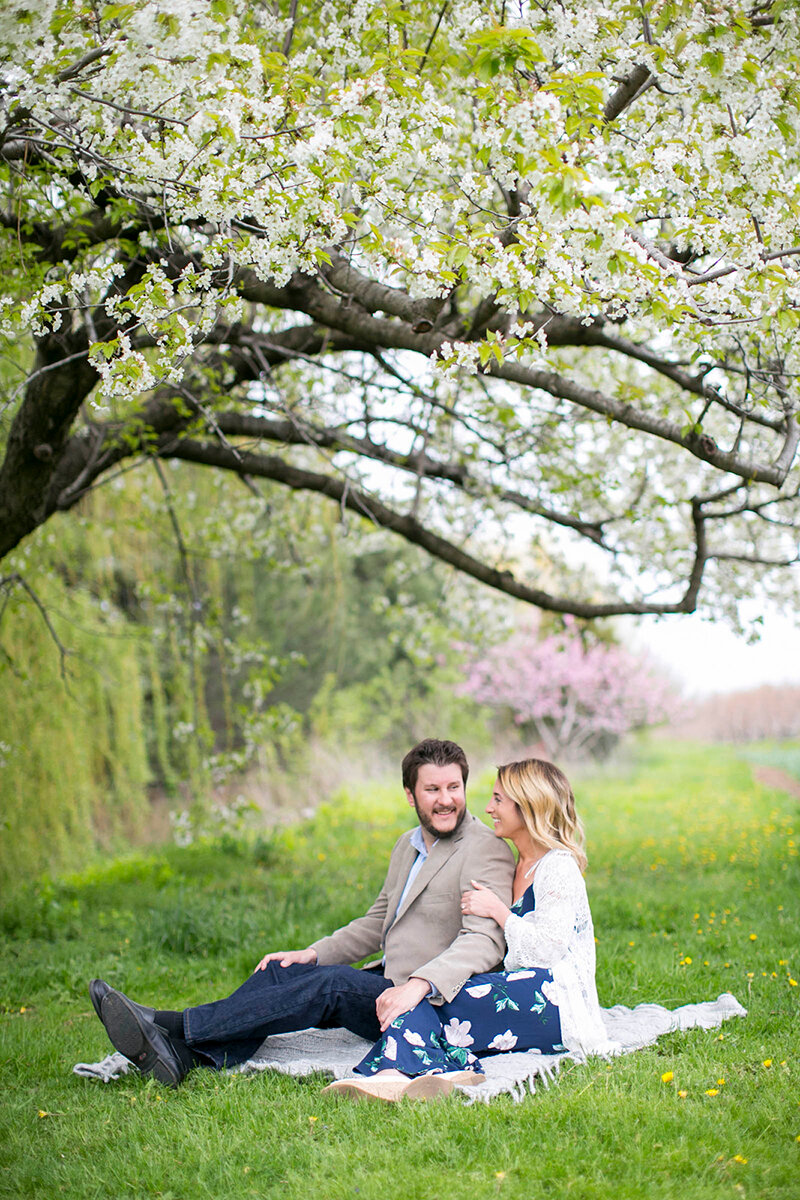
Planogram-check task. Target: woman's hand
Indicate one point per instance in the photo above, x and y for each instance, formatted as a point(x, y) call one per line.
point(483, 902)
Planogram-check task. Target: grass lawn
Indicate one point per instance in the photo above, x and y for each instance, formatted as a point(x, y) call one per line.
point(693, 881)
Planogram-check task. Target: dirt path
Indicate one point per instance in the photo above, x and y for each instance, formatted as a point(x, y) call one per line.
point(774, 777)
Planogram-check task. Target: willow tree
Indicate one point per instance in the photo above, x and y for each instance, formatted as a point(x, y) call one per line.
point(506, 279)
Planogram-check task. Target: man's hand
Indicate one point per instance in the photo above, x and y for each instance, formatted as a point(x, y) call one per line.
point(482, 902)
point(398, 1000)
point(287, 957)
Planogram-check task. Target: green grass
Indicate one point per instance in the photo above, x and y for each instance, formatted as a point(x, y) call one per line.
point(693, 881)
point(783, 755)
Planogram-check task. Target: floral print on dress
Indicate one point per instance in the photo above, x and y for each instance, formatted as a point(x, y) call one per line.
point(457, 1032)
point(494, 1012)
point(503, 1041)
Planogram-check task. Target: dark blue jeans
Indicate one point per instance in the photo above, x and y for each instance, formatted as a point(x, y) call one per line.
point(281, 1000)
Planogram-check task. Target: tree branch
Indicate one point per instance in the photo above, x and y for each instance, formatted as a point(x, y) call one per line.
point(414, 531)
point(629, 88)
point(295, 432)
point(304, 294)
point(19, 580)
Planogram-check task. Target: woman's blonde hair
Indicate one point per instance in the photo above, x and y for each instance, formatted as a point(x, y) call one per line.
point(547, 806)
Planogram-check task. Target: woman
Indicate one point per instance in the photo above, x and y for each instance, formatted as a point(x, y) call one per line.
point(546, 998)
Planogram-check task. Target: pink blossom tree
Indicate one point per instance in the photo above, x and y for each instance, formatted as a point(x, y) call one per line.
point(578, 699)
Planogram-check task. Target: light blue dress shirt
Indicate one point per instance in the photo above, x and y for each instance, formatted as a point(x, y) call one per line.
point(418, 842)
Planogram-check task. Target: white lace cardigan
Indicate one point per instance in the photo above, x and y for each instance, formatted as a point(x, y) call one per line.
point(559, 934)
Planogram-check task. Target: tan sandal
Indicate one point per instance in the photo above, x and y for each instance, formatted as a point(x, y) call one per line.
point(436, 1087)
point(386, 1090)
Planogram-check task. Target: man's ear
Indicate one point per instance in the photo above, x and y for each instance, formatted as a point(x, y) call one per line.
point(409, 797)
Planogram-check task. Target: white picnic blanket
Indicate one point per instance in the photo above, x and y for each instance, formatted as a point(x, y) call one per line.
point(336, 1051)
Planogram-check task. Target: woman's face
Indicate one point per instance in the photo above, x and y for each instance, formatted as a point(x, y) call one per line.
point(505, 814)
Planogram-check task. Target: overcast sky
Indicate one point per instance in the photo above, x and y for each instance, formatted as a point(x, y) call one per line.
point(708, 657)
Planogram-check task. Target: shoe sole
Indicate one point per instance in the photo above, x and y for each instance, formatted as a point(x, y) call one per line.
point(464, 1078)
point(429, 1087)
point(96, 999)
point(123, 1026)
point(355, 1089)
point(436, 1087)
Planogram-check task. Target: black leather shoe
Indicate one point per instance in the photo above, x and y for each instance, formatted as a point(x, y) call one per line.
point(143, 1042)
point(98, 988)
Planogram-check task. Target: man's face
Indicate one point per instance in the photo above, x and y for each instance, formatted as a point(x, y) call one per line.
point(439, 800)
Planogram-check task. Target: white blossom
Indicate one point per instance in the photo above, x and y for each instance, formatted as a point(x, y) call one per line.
point(503, 1041)
point(480, 989)
point(457, 1032)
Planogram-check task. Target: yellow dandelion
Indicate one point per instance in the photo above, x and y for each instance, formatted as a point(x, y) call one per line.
point(792, 982)
point(753, 937)
point(712, 1091)
point(668, 1077)
point(767, 1062)
point(683, 1094)
point(500, 1175)
point(740, 1158)
point(44, 1113)
point(720, 1083)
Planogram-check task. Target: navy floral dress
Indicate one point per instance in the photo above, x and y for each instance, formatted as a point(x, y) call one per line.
point(499, 1010)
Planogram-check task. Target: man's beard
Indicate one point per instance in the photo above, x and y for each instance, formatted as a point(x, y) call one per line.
point(430, 828)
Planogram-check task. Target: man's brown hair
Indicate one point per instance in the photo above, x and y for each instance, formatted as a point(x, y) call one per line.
point(440, 754)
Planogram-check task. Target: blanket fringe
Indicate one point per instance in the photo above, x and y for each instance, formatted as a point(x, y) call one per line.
point(335, 1051)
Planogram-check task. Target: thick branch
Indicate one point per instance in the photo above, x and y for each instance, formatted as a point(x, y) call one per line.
point(408, 527)
point(302, 293)
point(628, 90)
point(92, 228)
point(420, 464)
point(700, 446)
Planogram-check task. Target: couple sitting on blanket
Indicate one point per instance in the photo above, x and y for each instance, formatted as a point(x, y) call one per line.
point(454, 898)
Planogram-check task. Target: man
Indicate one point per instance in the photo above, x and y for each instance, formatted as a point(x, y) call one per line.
point(429, 947)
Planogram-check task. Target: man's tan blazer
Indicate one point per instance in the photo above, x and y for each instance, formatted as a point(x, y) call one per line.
point(430, 937)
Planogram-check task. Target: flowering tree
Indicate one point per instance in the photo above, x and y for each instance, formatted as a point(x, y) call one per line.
point(447, 264)
point(577, 699)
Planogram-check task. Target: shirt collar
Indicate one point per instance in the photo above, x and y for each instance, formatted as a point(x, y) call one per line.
point(418, 842)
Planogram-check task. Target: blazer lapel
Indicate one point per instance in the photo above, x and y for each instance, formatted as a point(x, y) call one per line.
point(437, 857)
point(395, 887)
